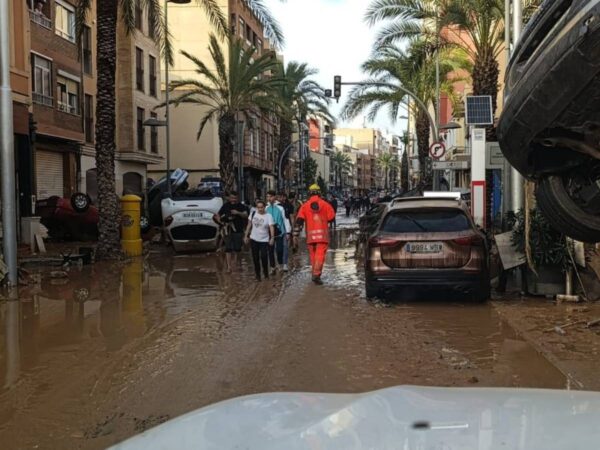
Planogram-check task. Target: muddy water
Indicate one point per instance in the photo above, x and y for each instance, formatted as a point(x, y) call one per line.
point(107, 352)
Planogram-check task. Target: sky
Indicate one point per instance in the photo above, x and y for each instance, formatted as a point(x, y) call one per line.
point(331, 36)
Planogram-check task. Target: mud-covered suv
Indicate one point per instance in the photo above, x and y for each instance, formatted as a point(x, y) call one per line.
point(550, 126)
point(427, 244)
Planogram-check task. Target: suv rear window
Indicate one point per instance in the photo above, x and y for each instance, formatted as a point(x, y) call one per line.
point(434, 220)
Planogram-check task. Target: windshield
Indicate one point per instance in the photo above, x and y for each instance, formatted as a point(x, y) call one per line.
point(431, 221)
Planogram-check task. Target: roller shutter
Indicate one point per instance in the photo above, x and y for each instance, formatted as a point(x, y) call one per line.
point(49, 174)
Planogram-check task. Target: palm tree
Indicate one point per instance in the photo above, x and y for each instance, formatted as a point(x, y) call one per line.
point(108, 14)
point(404, 182)
point(300, 96)
point(391, 69)
point(342, 164)
point(387, 162)
point(237, 87)
point(476, 26)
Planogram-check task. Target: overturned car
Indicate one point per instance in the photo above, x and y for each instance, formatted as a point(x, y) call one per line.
point(550, 126)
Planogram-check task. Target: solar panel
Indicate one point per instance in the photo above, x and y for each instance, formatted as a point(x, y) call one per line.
point(479, 110)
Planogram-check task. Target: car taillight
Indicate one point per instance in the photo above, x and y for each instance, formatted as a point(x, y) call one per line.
point(168, 221)
point(469, 240)
point(380, 241)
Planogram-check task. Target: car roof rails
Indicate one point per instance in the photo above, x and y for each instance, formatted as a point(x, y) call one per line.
point(398, 200)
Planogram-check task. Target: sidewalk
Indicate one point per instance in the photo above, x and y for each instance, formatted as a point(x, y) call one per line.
point(573, 348)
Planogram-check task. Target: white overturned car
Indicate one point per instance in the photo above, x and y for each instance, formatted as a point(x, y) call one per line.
point(188, 221)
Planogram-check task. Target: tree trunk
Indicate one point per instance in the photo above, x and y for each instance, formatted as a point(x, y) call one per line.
point(485, 82)
point(425, 166)
point(109, 245)
point(285, 140)
point(404, 171)
point(227, 150)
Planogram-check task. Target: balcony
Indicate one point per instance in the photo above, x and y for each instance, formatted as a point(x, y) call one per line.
point(258, 162)
point(42, 99)
point(40, 19)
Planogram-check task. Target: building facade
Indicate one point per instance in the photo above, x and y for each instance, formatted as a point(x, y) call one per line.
point(199, 155)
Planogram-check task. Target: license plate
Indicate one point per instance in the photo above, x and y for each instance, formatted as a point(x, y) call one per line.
point(426, 247)
point(193, 215)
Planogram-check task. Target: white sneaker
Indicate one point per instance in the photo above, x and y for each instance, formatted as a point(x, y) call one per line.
point(285, 268)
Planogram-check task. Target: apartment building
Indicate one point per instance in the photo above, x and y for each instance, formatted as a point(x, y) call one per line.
point(200, 156)
point(57, 96)
point(20, 78)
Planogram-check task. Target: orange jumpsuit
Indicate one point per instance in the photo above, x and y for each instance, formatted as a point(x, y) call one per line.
point(317, 213)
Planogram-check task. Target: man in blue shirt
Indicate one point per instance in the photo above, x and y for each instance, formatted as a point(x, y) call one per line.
point(278, 214)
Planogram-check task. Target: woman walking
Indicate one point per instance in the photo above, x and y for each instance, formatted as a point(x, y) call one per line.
point(260, 233)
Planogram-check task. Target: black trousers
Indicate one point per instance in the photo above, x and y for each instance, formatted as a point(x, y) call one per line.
point(260, 255)
point(276, 249)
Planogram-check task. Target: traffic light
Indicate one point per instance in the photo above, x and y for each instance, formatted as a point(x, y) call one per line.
point(337, 86)
point(328, 93)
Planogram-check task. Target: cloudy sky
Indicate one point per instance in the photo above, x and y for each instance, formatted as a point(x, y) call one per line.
point(331, 36)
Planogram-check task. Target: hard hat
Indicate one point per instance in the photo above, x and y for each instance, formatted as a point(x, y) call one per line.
point(314, 188)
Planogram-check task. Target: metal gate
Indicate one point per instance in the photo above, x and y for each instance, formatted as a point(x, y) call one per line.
point(49, 174)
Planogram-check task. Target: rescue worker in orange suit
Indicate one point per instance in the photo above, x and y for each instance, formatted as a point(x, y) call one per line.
point(316, 214)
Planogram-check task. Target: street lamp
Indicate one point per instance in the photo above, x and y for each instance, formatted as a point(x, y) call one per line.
point(167, 123)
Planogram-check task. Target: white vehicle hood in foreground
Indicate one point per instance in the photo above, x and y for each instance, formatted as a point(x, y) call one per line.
point(394, 418)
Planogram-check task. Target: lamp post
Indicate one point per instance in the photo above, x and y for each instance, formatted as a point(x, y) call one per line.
point(167, 96)
point(517, 196)
point(7, 152)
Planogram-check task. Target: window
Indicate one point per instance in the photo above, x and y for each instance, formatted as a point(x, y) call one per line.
point(433, 220)
point(242, 27)
point(138, 15)
point(152, 70)
point(88, 116)
point(248, 34)
point(259, 46)
point(40, 13)
point(41, 80)
point(64, 21)
point(152, 21)
point(233, 23)
point(141, 137)
point(139, 69)
point(67, 94)
point(154, 136)
point(86, 42)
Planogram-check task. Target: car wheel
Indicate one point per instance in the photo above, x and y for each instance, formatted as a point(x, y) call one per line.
point(560, 200)
point(371, 291)
point(80, 202)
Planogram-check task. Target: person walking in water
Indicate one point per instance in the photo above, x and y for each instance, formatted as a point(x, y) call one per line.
point(260, 233)
point(316, 214)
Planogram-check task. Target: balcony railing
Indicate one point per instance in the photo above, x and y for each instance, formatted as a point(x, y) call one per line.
point(258, 162)
point(40, 19)
point(42, 99)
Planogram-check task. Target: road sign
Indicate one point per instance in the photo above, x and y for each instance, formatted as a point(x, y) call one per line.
point(451, 165)
point(437, 150)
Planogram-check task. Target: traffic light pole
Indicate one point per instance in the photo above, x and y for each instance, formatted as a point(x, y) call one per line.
point(337, 83)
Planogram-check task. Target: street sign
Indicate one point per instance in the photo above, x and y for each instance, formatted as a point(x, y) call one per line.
point(437, 150)
point(451, 165)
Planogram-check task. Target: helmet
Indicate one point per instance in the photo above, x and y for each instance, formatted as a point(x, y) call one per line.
point(314, 188)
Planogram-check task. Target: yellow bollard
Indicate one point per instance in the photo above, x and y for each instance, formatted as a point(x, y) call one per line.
point(131, 234)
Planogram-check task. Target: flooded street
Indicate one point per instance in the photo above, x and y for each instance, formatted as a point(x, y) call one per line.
point(91, 359)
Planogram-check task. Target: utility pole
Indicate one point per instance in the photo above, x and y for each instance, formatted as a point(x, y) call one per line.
point(7, 152)
point(517, 181)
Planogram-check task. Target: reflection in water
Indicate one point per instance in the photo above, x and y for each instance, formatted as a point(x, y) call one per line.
point(11, 343)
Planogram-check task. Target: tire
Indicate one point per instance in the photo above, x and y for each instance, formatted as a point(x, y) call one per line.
point(371, 291)
point(563, 213)
point(80, 202)
point(481, 294)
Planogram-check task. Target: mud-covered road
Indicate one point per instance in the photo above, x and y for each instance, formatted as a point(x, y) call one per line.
point(110, 351)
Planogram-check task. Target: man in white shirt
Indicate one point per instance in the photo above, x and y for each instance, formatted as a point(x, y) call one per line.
point(260, 233)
